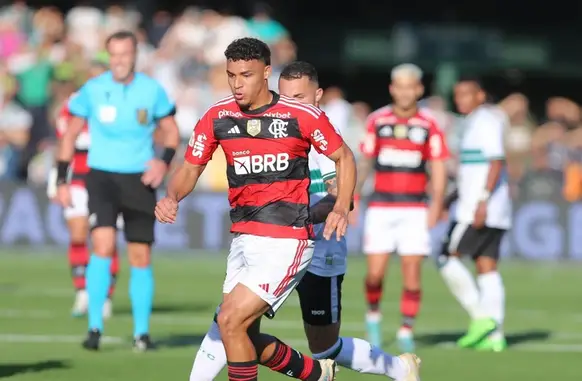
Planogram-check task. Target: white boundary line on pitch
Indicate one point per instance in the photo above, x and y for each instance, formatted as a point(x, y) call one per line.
point(204, 322)
point(15, 338)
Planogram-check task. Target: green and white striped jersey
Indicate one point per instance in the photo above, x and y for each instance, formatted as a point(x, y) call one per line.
point(321, 169)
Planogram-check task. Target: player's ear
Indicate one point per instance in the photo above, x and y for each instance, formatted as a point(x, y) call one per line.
point(318, 95)
point(267, 73)
point(420, 90)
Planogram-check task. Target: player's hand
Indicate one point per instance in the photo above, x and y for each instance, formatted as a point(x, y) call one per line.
point(64, 195)
point(480, 215)
point(167, 210)
point(434, 215)
point(155, 173)
point(337, 221)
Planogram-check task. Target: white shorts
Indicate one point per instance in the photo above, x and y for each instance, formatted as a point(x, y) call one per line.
point(401, 230)
point(269, 267)
point(80, 201)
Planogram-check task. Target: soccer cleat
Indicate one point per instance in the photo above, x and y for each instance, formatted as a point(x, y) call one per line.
point(328, 370)
point(107, 309)
point(405, 340)
point(413, 363)
point(374, 329)
point(142, 343)
point(92, 341)
point(478, 330)
point(491, 345)
point(81, 304)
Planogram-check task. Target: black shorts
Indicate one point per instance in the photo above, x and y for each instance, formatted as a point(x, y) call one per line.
point(113, 193)
point(320, 299)
point(466, 240)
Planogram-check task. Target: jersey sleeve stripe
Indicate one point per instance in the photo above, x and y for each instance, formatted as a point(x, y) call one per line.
point(328, 176)
point(300, 107)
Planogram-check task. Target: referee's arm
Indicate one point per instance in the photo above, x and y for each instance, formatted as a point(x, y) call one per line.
point(164, 112)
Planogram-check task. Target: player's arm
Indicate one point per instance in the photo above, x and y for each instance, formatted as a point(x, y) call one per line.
point(323, 207)
point(369, 150)
point(201, 146)
point(327, 141)
point(164, 112)
point(450, 198)
point(494, 151)
point(438, 154)
point(80, 110)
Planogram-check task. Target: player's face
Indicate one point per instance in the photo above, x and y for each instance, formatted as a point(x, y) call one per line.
point(406, 91)
point(468, 96)
point(247, 79)
point(121, 58)
point(301, 89)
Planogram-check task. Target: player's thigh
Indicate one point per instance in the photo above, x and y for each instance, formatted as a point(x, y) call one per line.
point(274, 267)
point(379, 231)
point(490, 252)
point(103, 199)
point(235, 265)
point(320, 299)
point(137, 204)
point(77, 215)
point(413, 236)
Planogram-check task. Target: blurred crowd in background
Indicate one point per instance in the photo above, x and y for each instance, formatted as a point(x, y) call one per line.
point(45, 56)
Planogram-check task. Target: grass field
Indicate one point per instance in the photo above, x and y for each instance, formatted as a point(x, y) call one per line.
point(39, 341)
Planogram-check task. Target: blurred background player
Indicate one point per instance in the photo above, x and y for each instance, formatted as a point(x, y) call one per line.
point(483, 215)
point(77, 215)
point(401, 139)
point(122, 109)
point(320, 289)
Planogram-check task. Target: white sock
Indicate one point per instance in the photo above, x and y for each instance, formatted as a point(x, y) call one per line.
point(361, 356)
point(462, 285)
point(493, 299)
point(211, 357)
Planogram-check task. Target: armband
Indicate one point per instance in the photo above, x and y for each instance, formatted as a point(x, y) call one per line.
point(62, 172)
point(168, 155)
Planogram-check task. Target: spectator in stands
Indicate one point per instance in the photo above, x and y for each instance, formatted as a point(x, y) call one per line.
point(84, 27)
point(15, 124)
point(283, 52)
point(264, 27)
point(337, 108)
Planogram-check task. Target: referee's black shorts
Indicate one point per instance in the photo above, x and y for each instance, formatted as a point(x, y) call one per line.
point(113, 193)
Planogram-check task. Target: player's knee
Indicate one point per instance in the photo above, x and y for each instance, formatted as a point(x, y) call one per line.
point(229, 322)
point(485, 265)
point(139, 254)
point(322, 338)
point(103, 240)
point(374, 278)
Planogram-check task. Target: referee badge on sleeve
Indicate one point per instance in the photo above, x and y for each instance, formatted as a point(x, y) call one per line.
point(142, 116)
point(254, 127)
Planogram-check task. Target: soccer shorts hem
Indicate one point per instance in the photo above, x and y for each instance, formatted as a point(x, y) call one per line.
point(111, 194)
point(402, 230)
point(270, 267)
point(320, 298)
point(80, 203)
point(465, 240)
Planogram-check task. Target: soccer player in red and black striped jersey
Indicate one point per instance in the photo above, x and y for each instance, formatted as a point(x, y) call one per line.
point(402, 142)
point(77, 214)
point(266, 139)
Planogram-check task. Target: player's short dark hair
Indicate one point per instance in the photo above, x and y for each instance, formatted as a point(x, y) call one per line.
point(122, 35)
point(472, 79)
point(300, 69)
point(248, 49)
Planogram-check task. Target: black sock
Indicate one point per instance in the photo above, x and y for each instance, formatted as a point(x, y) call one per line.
point(243, 371)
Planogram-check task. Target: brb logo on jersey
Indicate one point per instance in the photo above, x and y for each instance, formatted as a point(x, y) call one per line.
point(197, 144)
point(278, 128)
point(247, 165)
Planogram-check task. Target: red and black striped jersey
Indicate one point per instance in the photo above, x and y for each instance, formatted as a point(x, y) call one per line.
point(267, 169)
point(79, 168)
point(401, 148)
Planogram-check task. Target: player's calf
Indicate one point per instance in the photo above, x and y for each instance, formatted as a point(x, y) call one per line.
point(141, 292)
point(410, 300)
point(373, 290)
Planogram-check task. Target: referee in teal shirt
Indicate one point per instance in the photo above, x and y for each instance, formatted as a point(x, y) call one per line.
point(122, 108)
